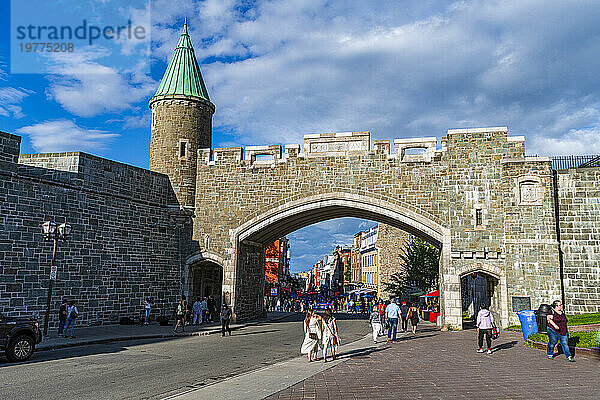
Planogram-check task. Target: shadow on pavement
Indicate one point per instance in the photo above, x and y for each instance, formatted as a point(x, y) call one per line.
point(417, 336)
point(505, 346)
point(358, 353)
point(257, 332)
point(82, 351)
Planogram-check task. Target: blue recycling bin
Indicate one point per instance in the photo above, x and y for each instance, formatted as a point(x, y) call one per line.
point(528, 322)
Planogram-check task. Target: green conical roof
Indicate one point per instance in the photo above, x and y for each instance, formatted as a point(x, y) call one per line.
point(183, 75)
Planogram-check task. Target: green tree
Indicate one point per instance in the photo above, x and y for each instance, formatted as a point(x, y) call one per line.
point(420, 269)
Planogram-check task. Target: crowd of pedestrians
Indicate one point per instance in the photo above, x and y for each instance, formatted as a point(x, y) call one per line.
point(204, 310)
point(387, 317)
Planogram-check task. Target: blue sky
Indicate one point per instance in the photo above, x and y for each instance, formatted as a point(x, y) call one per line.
point(277, 70)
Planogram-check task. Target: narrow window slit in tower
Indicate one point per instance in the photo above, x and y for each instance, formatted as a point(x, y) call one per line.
point(478, 217)
point(182, 149)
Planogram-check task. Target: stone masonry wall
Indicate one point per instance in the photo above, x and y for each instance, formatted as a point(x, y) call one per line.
point(9, 147)
point(579, 211)
point(250, 296)
point(123, 247)
point(532, 263)
point(391, 242)
point(445, 186)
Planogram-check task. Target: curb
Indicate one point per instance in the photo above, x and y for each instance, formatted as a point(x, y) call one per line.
point(594, 351)
point(155, 336)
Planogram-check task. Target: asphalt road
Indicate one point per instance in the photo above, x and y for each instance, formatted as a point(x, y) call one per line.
point(153, 369)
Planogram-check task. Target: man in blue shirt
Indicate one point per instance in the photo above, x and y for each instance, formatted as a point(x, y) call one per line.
point(391, 312)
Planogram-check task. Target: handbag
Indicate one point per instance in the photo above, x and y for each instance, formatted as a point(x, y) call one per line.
point(495, 332)
point(313, 336)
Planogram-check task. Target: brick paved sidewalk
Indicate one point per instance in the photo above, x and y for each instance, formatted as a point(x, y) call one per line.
point(85, 335)
point(444, 365)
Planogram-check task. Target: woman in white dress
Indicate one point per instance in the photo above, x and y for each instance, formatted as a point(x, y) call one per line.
point(312, 335)
point(330, 334)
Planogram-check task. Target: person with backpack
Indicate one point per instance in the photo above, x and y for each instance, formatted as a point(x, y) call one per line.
point(72, 314)
point(62, 317)
point(485, 323)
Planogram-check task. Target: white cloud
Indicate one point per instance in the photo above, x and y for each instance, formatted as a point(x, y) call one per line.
point(65, 135)
point(10, 101)
point(576, 141)
point(287, 68)
point(85, 87)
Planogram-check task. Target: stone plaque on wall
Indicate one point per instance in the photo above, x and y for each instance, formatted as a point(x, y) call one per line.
point(337, 143)
point(521, 303)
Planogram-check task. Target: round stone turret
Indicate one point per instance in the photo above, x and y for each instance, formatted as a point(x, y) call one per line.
point(181, 121)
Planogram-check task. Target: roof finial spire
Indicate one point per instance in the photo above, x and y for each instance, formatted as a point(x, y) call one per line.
point(185, 25)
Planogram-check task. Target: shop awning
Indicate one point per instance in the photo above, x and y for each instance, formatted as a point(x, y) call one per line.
point(435, 293)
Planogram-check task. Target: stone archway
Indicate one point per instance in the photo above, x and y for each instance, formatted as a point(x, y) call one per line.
point(203, 276)
point(467, 194)
point(496, 285)
point(247, 265)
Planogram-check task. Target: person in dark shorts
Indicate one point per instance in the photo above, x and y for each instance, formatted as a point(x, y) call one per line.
point(557, 330)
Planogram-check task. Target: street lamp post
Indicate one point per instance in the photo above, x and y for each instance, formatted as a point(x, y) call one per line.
point(53, 232)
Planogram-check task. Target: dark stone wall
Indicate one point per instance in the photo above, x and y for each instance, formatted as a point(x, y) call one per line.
point(250, 282)
point(9, 148)
point(124, 245)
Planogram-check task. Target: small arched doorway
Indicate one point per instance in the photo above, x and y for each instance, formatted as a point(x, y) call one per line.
point(477, 288)
point(204, 278)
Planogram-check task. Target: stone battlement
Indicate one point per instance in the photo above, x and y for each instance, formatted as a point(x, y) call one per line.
point(346, 144)
point(89, 172)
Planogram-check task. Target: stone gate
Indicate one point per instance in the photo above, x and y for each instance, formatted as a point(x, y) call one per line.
point(476, 196)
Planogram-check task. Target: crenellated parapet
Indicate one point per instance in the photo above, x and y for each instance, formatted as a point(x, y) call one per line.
point(358, 144)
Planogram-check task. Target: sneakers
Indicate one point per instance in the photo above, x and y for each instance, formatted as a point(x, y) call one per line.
point(480, 350)
point(489, 351)
point(550, 356)
point(570, 359)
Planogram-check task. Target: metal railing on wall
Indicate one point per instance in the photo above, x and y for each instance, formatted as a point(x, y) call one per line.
point(565, 162)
